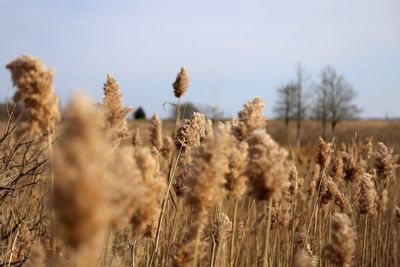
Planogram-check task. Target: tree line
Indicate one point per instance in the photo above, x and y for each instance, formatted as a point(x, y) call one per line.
point(329, 101)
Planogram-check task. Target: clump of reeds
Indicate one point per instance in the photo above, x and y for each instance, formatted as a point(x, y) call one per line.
point(35, 96)
point(266, 169)
point(116, 114)
point(81, 199)
point(205, 186)
point(341, 249)
point(235, 179)
point(188, 137)
point(138, 188)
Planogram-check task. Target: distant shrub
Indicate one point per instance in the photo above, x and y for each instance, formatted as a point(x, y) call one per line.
point(139, 114)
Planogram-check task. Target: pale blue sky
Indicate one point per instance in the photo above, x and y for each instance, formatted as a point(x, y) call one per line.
point(234, 50)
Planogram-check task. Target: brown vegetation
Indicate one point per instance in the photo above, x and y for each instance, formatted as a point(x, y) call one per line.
point(194, 193)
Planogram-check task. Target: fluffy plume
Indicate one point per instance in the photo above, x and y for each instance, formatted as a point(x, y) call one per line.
point(222, 229)
point(338, 197)
point(185, 254)
point(301, 259)
point(206, 184)
point(81, 197)
point(34, 95)
point(250, 118)
point(341, 249)
point(235, 178)
point(266, 171)
point(368, 195)
point(337, 171)
point(324, 152)
point(353, 170)
point(191, 132)
point(367, 148)
point(385, 163)
point(116, 113)
point(156, 132)
point(181, 83)
point(182, 173)
point(138, 188)
point(166, 150)
point(205, 188)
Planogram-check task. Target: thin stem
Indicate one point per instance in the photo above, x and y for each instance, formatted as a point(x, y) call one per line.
point(244, 230)
point(51, 193)
point(231, 259)
point(267, 234)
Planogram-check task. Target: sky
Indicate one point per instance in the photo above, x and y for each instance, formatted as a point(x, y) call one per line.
point(234, 50)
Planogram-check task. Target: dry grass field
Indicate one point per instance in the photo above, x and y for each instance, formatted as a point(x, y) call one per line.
point(93, 190)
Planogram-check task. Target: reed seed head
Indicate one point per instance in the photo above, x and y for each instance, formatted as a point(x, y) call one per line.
point(266, 168)
point(191, 132)
point(116, 113)
point(181, 83)
point(368, 195)
point(341, 249)
point(156, 139)
point(81, 199)
point(249, 119)
point(385, 163)
point(34, 95)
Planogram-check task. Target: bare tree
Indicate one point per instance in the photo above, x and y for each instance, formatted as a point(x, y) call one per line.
point(285, 104)
point(300, 105)
point(320, 108)
point(336, 95)
point(291, 103)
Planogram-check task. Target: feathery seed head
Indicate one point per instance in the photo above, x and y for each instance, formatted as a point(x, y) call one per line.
point(191, 132)
point(34, 95)
point(341, 249)
point(116, 113)
point(81, 199)
point(156, 132)
point(368, 195)
point(250, 118)
point(266, 168)
point(181, 83)
point(385, 163)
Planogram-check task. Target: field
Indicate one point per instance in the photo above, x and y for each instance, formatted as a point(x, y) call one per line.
point(94, 189)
